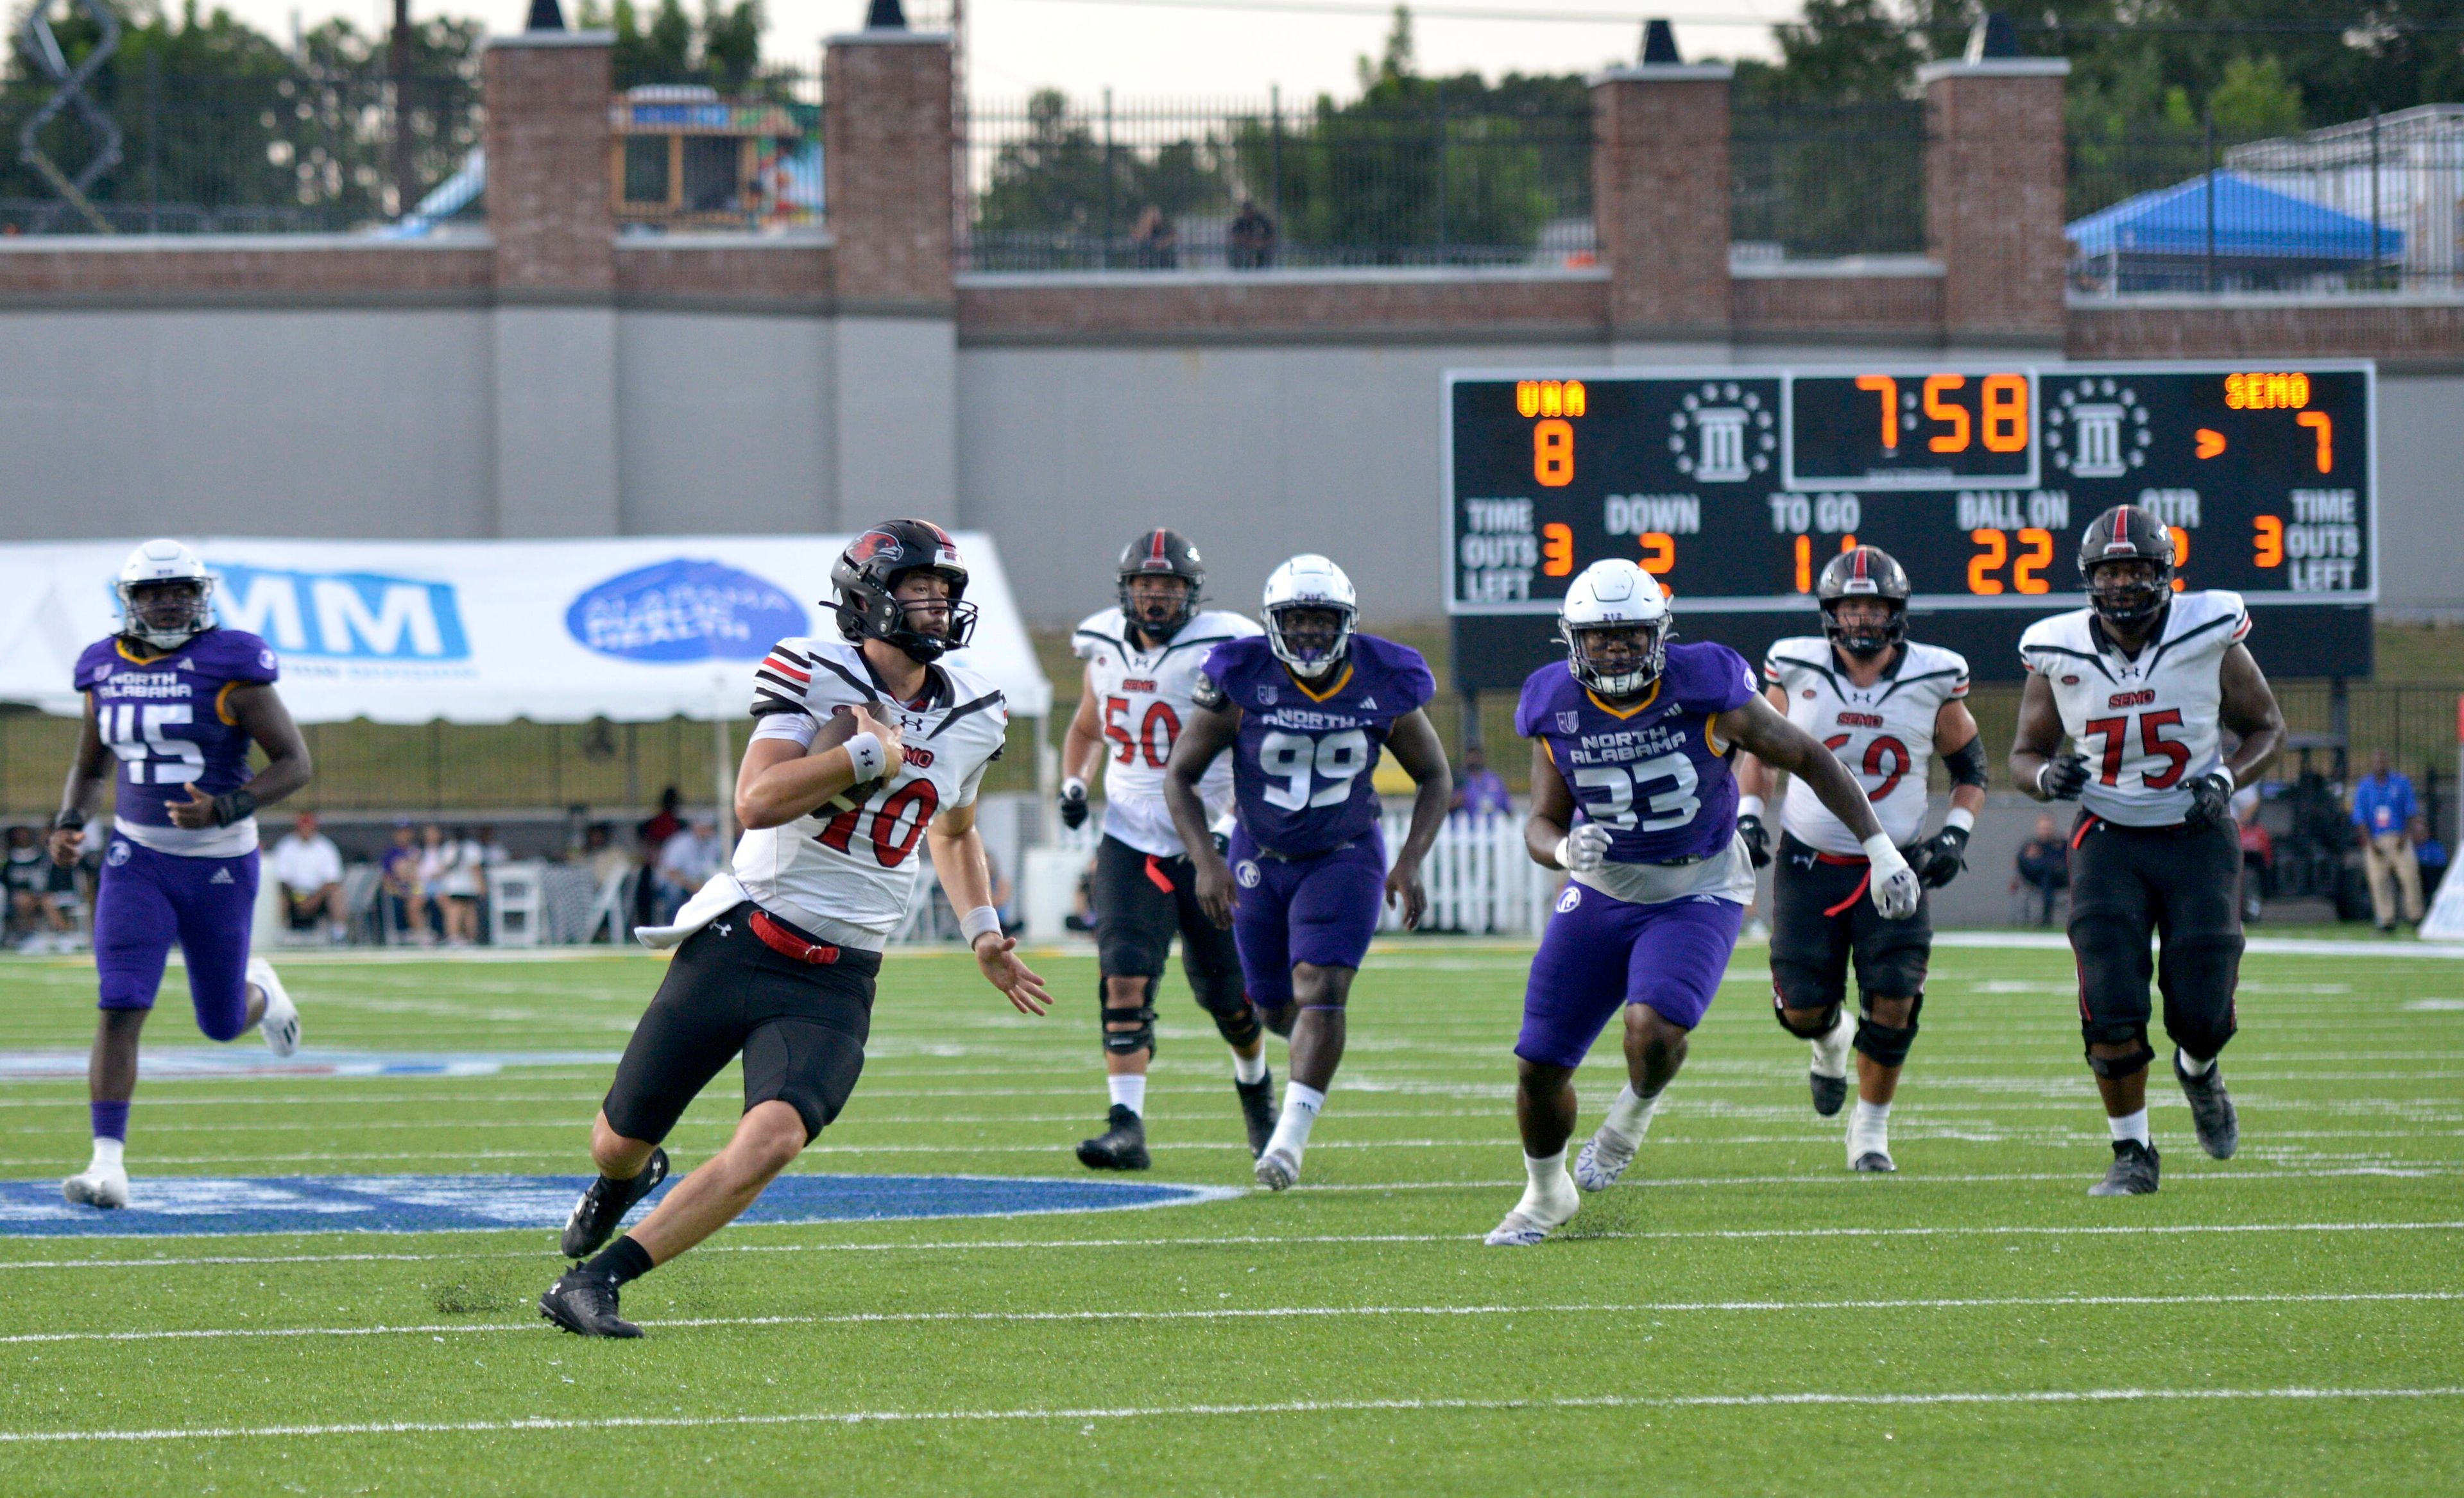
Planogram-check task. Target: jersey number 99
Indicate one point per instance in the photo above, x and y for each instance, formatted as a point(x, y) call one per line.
point(1315, 772)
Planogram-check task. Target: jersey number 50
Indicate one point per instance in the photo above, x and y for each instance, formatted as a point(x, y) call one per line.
point(1315, 772)
point(1624, 784)
point(135, 733)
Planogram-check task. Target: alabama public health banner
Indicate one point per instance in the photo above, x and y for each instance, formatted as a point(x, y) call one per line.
point(556, 631)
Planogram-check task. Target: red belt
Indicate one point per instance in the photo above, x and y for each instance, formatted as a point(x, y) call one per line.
point(1841, 858)
point(776, 935)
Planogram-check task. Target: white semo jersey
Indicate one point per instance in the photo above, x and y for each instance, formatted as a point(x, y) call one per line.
point(2147, 726)
point(1884, 734)
point(1142, 697)
point(847, 872)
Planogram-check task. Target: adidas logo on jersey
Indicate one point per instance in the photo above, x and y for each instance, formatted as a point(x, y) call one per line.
point(1368, 702)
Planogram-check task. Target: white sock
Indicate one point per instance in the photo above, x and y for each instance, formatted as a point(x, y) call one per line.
point(1550, 1197)
point(1831, 1047)
point(1128, 1091)
point(2192, 1066)
point(1873, 1117)
point(1300, 1112)
point(1629, 1117)
point(1249, 1069)
point(107, 1155)
point(2133, 1126)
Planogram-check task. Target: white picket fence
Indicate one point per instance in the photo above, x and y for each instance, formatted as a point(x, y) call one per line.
point(1479, 878)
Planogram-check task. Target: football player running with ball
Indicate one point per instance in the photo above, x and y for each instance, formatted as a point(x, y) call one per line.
point(1306, 711)
point(1885, 706)
point(1143, 660)
point(862, 747)
point(2148, 678)
point(175, 703)
point(1632, 793)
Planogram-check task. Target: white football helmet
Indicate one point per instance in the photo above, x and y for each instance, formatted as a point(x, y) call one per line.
point(166, 595)
point(1614, 596)
point(1310, 582)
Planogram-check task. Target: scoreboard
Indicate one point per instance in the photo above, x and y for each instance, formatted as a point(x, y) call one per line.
point(1733, 486)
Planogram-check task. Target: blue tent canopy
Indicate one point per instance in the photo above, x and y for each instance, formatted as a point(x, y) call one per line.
point(2252, 223)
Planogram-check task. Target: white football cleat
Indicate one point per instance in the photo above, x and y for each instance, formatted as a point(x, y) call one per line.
point(1602, 1161)
point(97, 1186)
point(1278, 1169)
point(1518, 1231)
point(281, 1023)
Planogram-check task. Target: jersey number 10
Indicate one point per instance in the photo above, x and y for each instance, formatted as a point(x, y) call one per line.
point(893, 835)
point(135, 733)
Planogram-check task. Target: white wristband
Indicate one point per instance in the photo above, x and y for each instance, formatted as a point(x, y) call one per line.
point(1073, 789)
point(978, 921)
point(1749, 807)
point(1558, 853)
point(1880, 850)
point(865, 758)
point(1962, 818)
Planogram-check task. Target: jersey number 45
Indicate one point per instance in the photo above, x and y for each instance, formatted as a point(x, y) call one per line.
point(135, 733)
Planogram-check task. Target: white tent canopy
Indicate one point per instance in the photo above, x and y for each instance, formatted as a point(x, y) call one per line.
point(632, 630)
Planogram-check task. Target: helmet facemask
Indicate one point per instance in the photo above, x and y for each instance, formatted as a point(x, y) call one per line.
point(2128, 592)
point(1310, 635)
point(924, 626)
point(1865, 637)
point(1616, 659)
point(1160, 602)
point(169, 613)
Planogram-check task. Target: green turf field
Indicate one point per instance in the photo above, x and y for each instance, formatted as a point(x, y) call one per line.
point(1741, 1317)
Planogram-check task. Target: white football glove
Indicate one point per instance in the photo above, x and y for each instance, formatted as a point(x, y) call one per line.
point(1895, 886)
point(1584, 849)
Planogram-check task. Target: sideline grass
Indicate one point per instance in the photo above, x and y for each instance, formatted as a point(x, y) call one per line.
point(1728, 1323)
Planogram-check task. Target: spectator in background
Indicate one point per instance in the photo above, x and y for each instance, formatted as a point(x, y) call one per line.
point(1251, 242)
point(398, 883)
point(602, 855)
point(1155, 244)
point(650, 838)
point(2044, 868)
point(42, 920)
point(2385, 810)
point(309, 867)
point(686, 864)
point(1479, 790)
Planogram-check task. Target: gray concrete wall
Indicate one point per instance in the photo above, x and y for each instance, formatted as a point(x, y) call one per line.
point(320, 423)
point(2421, 495)
point(726, 423)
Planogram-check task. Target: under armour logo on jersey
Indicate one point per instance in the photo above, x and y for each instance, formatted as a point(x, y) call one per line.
point(723, 927)
point(221, 877)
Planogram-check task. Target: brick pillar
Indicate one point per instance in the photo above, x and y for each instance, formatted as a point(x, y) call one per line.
point(1995, 178)
point(886, 125)
point(1660, 193)
point(548, 137)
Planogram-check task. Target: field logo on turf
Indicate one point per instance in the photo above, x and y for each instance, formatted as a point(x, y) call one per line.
point(684, 611)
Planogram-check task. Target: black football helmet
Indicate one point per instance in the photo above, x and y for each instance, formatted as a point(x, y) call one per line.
point(867, 578)
point(2127, 533)
point(1863, 572)
point(1161, 554)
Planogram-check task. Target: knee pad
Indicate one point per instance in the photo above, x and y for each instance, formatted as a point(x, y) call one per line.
point(1781, 1009)
point(1238, 1027)
point(2113, 1068)
point(1887, 1044)
point(1142, 1017)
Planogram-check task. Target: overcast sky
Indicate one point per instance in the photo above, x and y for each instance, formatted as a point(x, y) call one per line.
point(1149, 48)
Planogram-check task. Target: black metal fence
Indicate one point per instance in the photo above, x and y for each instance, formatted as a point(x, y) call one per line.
point(1057, 184)
point(1815, 181)
point(282, 150)
point(2169, 206)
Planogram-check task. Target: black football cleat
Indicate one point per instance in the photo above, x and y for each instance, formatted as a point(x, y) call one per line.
point(1828, 1092)
point(1121, 1146)
point(2212, 1109)
point(2132, 1173)
point(601, 1208)
point(1258, 1110)
point(585, 1303)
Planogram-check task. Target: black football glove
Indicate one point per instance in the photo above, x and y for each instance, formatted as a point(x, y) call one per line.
point(1757, 838)
point(1940, 858)
point(1073, 804)
point(2212, 799)
point(2063, 777)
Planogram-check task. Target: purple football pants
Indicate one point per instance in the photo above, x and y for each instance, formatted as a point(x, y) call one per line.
point(1320, 910)
point(1600, 955)
point(147, 901)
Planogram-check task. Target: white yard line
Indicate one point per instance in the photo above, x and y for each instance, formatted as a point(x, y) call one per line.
point(1259, 1240)
point(1680, 1402)
point(1279, 1313)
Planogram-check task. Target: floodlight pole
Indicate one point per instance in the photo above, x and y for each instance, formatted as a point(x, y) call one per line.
point(405, 169)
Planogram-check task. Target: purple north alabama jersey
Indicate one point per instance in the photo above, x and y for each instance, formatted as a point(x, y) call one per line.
point(1301, 768)
point(169, 719)
point(1654, 775)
